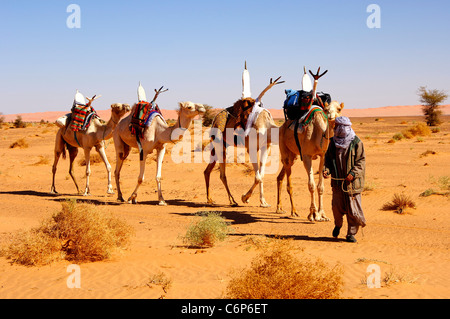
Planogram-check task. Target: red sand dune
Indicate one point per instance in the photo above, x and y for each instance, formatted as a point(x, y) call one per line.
point(386, 111)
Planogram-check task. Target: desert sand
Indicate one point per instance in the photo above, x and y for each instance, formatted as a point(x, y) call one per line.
point(412, 247)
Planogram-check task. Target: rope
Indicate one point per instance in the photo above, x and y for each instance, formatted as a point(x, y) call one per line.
point(350, 191)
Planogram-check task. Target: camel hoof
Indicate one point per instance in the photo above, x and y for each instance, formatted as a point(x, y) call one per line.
point(162, 203)
point(264, 205)
point(110, 191)
point(53, 191)
point(210, 202)
point(120, 199)
point(280, 211)
point(244, 199)
point(86, 194)
point(294, 214)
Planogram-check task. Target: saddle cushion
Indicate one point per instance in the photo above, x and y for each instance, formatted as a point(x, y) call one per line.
point(82, 116)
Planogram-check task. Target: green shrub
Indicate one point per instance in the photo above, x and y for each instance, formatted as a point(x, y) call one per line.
point(210, 229)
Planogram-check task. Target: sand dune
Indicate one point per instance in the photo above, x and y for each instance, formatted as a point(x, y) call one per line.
point(387, 111)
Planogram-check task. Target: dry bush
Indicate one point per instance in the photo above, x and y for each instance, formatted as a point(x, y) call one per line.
point(399, 203)
point(18, 123)
point(160, 279)
point(43, 160)
point(20, 143)
point(277, 274)
point(94, 158)
point(79, 232)
point(420, 129)
point(210, 229)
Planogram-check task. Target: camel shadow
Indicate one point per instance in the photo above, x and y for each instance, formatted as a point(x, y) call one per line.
point(293, 237)
point(60, 197)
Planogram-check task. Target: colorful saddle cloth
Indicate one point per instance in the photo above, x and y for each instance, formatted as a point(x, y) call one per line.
point(143, 113)
point(82, 116)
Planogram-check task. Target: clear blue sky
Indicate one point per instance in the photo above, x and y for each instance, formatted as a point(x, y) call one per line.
point(197, 49)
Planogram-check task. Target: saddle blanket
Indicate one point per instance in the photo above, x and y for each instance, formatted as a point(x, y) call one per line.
point(307, 118)
point(82, 116)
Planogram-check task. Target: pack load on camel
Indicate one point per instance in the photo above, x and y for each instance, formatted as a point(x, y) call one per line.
point(300, 107)
point(81, 115)
point(144, 112)
point(299, 102)
point(245, 111)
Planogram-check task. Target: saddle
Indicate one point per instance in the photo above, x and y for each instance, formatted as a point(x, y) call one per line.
point(81, 117)
point(141, 115)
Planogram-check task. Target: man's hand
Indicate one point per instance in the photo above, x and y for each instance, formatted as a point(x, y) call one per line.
point(325, 173)
point(349, 178)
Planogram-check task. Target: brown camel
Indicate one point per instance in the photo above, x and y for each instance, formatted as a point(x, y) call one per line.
point(314, 141)
point(97, 132)
point(155, 137)
point(263, 124)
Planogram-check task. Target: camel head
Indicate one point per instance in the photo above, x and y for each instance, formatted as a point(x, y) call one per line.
point(190, 109)
point(118, 110)
point(333, 110)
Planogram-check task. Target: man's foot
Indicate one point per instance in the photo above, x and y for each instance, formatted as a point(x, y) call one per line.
point(350, 239)
point(336, 231)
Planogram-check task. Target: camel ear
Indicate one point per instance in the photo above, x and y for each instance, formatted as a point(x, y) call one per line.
point(342, 105)
point(182, 104)
point(126, 107)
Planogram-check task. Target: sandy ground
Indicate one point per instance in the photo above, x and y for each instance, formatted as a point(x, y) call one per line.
point(412, 247)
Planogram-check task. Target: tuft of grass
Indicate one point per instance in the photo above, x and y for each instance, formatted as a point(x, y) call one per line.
point(428, 152)
point(43, 160)
point(20, 143)
point(210, 229)
point(160, 279)
point(398, 137)
point(79, 232)
point(277, 274)
point(399, 203)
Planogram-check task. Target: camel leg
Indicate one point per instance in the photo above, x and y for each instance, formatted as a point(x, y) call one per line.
point(160, 155)
point(207, 174)
point(289, 189)
point(223, 178)
point(280, 178)
point(133, 196)
point(87, 156)
point(73, 152)
point(257, 180)
point(101, 152)
point(59, 149)
point(307, 162)
point(122, 152)
point(320, 190)
point(262, 168)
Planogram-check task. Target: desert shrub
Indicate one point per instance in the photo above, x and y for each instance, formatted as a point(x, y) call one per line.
point(210, 229)
point(428, 152)
point(43, 160)
point(277, 274)
point(20, 143)
point(399, 203)
point(160, 279)
point(435, 129)
point(420, 129)
point(397, 137)
point(2, 118)
point(79, 232)
point(18, 123)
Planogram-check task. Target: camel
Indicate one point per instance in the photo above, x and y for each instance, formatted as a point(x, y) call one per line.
point(314, 141)
point(155, 137)
point(94, 136)
point(263, 124)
